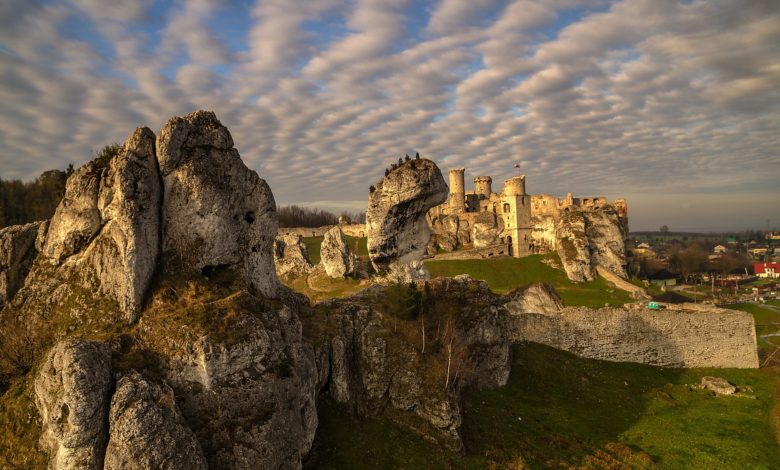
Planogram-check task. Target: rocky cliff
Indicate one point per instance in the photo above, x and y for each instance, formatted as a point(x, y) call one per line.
point(161, 257)
point(410, 351)
point(587, 239)
point(396, 223)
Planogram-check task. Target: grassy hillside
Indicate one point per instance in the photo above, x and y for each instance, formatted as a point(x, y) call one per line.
point(358, 245)
point(559, 410)
point(505, 274)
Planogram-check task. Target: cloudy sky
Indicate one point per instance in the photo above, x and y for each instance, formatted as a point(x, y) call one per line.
point(674, 105)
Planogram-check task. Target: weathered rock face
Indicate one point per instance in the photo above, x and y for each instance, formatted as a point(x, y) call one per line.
point(335, 256)
point(446, 232)
point(108, 223)
point(606, 240)
point(247, 387)
point(17, 252)
point(372, 368)
point(573, 246)
point(147, 431)
point(589, 239)
point(291, 256)
point(536, 298)
point(486, 230)
point(396, 218)
point(216, 211)
point(72, 394)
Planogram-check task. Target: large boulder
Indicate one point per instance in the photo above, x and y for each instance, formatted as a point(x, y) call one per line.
point(396, 218)
point(147, 429)
point(291, 257)
point(72, 392)
point(536, 298)
point(445, 232)
point(573, 246)
point(109, 223)
point(17, 252)
point(216, 211)
point(335, 256)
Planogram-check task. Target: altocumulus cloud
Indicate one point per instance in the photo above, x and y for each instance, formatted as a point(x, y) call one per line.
point(675, 105)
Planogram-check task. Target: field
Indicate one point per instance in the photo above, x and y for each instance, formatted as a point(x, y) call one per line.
point(358, 245)
point(559, 410)
point(505, 274)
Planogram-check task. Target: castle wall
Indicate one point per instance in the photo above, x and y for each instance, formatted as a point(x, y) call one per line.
point(688, 336)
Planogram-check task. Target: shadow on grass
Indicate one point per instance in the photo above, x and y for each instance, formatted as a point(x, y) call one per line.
point(561, 410)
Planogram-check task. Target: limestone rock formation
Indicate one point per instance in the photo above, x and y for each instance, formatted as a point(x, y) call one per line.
point(72, 393)
point(147, 431)
point(17, 252)
point(573, 246)
point(371, 369)
point(398, 232)
point(216, 211)
point(486, 230)
point(335, 256)
point(291, 256)
point(247, 385)
point(587, 240)
point(536, 298)
point(606, 240)
point(108, 223)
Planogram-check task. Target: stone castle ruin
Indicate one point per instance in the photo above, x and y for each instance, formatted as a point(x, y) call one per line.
point(518, 224)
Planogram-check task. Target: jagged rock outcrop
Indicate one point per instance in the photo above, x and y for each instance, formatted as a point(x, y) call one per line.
point(573, 246)
point(587, 239)
point(606, 240)
point(291, 256)
point(246, 383)
point(106, 229)
point(72, 393)
point(147, 431)
point(17, 252)
point(335, 256)
point(486, 230)
point(398, 232)
point(377, 361)
point(216, 211)
point(536, 298)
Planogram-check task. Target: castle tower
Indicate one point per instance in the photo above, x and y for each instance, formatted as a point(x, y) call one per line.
point(517, 216)
point(482, 186)
point(457, 200)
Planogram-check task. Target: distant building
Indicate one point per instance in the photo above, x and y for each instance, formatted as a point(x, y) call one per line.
point(643, 250)
point(774, 235)
point(767, 270)
point(719, 249)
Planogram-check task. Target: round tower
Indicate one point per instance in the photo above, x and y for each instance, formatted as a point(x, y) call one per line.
point(457, 190)
point(515, 186)
point(483, 186)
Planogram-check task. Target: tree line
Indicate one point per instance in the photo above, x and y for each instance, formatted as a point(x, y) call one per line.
point(24, 202)
point(297, 216)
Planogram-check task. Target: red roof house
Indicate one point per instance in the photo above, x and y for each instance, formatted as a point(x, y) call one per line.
point(771, 270)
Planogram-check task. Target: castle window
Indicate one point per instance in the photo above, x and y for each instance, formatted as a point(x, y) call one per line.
point(507, 208)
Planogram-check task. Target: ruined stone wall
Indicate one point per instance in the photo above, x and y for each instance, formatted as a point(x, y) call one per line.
point(352, 230)
point(688, 336)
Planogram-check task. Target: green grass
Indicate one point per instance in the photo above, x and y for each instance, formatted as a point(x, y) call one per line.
point(356, 244)
point(505, 274)
point(313, 247)
point(559, 410)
